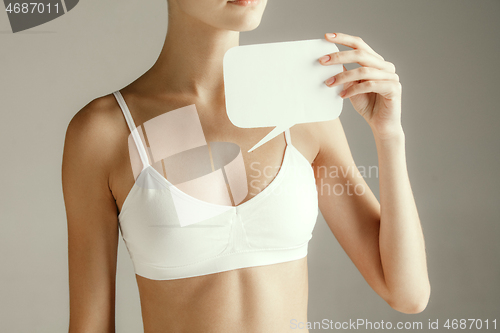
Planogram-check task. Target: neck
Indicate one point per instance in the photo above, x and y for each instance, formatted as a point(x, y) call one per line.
point(190, 61)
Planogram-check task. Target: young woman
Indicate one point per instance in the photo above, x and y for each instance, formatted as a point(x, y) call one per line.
point(264, 286)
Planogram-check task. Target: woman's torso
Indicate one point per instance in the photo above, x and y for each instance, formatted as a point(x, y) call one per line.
point(252, 299)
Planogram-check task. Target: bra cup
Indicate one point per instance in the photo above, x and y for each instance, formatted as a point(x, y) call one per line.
point(287, 216)
point(156, 238)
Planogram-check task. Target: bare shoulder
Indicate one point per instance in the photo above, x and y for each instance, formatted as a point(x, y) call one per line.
point(94, 131)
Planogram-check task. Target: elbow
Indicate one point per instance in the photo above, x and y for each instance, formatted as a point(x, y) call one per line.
point(411, 307)
point(412, 304)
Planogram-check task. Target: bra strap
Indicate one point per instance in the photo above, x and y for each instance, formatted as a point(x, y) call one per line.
point(288, 137)
point(133, 130)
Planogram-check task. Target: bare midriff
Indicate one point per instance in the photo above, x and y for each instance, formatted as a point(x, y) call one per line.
point(254, 299)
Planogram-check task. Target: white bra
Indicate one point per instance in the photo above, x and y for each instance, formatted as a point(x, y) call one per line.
point(272, 227)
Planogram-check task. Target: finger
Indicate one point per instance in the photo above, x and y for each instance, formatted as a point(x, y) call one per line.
point(357, 56)
point(388, 89)
point(361, 73)
point(351, 41)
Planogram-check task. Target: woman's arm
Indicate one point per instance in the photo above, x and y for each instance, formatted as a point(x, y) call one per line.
point(402, 246)
point(92, 222)
point(384, 240)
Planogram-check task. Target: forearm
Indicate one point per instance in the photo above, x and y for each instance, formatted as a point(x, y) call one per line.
point(401, 241)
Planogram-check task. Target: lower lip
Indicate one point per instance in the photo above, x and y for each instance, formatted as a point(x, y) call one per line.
point(244, 2)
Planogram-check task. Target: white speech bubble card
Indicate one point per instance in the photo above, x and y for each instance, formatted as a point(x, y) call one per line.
point(280, 84)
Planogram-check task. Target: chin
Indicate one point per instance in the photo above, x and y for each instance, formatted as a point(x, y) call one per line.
point(243, 18)
point(221, 14)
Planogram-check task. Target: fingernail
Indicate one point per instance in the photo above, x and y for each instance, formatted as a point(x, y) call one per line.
point(324, 58)
point(331, 35)
point(330, 80)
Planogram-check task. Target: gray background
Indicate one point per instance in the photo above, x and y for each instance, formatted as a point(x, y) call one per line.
point(446, 53)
